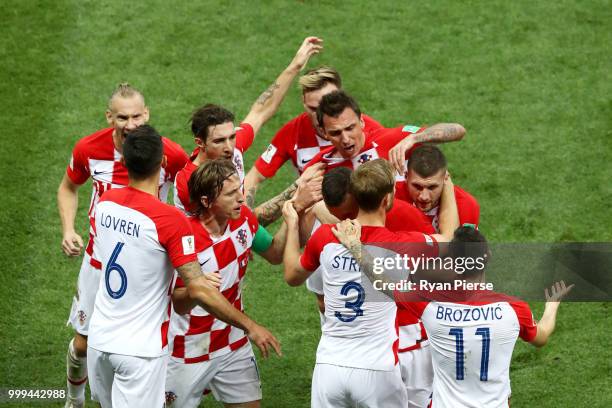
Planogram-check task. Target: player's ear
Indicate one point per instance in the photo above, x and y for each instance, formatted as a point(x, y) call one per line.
point(164, 162)
point(199, 142)
point(109, 117)
point(361, 121)
point(146, 114)
point(204, 201)
point(122, 161)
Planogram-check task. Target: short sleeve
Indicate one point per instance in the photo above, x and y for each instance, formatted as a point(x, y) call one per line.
point(388, 138)
point(468, 208)
point(245, 135)
point(181, 192)
point(310, 259)
point(176, 235)
point(78, 168)
point(277, 152)
point(176, 158)
point(528, 326)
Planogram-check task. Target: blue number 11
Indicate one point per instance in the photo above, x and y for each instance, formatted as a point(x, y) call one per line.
point(460, 354)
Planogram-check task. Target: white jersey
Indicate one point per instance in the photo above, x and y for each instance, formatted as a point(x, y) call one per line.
point(140, 241)
point(471, 346)
point(360, 328)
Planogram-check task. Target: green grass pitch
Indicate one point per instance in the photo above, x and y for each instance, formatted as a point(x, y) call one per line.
point(529, 80)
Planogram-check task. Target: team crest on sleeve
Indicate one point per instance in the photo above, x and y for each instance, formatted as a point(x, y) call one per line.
point(365, 157)
point(188, 245)
point(269, 153)
point(242, 237)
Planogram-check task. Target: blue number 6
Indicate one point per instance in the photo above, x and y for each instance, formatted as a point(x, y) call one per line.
point(355, 305)
point(114, 266)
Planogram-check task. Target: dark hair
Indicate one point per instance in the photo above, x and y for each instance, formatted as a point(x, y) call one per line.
point(143, 152)
point(427, 160)
point(336, 183)
point(208, 181)
point(468, 242)
point(208, 115)
point(334, 103)
point(371, 182)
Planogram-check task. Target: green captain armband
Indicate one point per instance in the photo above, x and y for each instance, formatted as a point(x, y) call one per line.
point(262, 240)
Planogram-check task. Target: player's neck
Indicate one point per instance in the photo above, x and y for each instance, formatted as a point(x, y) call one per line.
point(215, 226)
point(149, 185)
point(372, 219)
point(200, 158)
point(117, 142)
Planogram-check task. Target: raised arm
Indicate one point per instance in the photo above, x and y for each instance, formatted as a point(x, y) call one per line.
point(268, 102)
point(67, 203)
point(251, 183)
point(448, 213)
point(294, 273)
point(546, 325)
point(439, 133)
point(200, 289)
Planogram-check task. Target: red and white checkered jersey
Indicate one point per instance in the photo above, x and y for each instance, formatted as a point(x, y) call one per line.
point(471, 344)
point(140, 241)
point(467, 206)
point(95, 156)
point(298, 141)
point(199, 336)
point(360, 327)
point(376, 146)
point(244, 140)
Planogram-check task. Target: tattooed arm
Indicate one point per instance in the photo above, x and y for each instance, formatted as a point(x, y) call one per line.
point(307, 191)
point(440, 133)
point(268, 102)
point(271, 210)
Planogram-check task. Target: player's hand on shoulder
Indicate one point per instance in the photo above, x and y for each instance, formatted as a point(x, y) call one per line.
point(264, 340)
point(72, 243)
point(348, 233)
point(557, 292)
point(309, 47)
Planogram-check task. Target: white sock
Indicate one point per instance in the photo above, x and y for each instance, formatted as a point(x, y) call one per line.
point(76, 369)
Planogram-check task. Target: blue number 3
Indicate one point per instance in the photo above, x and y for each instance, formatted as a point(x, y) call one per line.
point(355, 305)
point(114, 266)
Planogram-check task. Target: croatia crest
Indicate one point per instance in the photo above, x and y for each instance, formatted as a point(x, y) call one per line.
point(242, 237)
point(364, 158)
point(238, 164)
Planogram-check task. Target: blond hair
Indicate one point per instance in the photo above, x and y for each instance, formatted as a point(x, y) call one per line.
point(371, 182)
point(124, 90)
point(317, 78)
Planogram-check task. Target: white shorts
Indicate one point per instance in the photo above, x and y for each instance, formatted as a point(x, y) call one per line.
point(118, 381)
point(417, 374)
point(314, 283)
point(336, 386)
point(233, 378)
point(83, 301)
